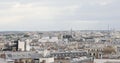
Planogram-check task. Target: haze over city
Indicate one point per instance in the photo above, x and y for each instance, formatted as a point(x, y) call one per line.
point(52, 15)
point(59, 31)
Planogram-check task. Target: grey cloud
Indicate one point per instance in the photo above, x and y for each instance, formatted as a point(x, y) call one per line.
point(61, 14)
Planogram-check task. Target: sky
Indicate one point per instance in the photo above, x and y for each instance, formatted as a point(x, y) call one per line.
point(57, 15)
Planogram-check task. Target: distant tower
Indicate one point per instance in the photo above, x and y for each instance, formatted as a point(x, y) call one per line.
point(25, 46)
point(108, 28)
point(71, 32)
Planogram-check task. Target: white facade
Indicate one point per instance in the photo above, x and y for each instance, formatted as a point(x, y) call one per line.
point(21, 46)
point(24, 45)
point(28, 45)
point(106, 61)
point(44, 52)
point(47, 60)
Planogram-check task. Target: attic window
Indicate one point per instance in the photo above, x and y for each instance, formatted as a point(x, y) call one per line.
point(9, 55)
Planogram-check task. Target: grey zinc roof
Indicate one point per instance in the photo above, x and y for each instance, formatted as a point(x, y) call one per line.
point(20, 55)
point(70, 52)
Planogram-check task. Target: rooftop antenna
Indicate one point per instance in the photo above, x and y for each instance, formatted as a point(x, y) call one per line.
point(109, 31)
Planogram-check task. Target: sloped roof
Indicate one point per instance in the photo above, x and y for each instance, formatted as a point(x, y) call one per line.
point(20, 55)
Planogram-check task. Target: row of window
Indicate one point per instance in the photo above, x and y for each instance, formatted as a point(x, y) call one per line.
point(68, 55)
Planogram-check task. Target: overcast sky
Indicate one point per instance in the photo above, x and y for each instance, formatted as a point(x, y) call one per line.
point(49, 15)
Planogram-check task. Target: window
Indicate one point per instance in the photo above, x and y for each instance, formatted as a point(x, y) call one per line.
point(9, 55)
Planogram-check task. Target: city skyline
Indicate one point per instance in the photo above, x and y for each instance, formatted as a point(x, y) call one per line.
point(57, 15)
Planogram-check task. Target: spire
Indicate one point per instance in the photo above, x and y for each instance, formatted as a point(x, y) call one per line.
point(71, 32)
